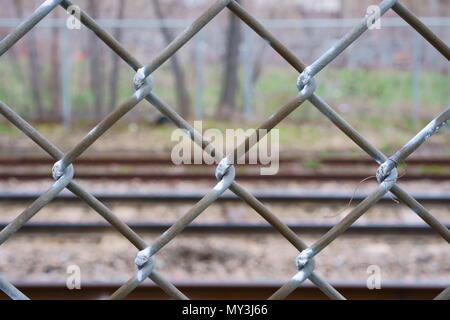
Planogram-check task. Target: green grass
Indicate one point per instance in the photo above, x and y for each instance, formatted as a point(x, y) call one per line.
point(431, 169)
point(7, 129)
point(358, 90)
point(374, 94)
point(312, 164)
point(375, 102)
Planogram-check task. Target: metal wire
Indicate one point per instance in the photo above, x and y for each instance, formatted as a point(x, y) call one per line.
point(63, 170)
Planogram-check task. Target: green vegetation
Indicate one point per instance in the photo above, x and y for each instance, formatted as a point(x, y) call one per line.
point(375, 102)
point(358, 91)
point(373, 94)
point(431, 169)
point(312, 164)
point(7, 129)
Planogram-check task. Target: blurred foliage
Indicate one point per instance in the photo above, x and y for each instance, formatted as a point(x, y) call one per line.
point(376, 102)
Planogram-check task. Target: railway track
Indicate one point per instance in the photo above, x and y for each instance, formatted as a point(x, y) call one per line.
point(160, 160)
point(232, 290)
point(296, 169)
point(272, 196)
point(215, 228)
point(227, 227)
point(207, 177)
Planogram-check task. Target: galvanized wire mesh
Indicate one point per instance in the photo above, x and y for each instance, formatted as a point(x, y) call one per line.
point(63, 171)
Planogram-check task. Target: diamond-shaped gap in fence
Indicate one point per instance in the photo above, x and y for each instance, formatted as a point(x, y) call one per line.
point(222, 258)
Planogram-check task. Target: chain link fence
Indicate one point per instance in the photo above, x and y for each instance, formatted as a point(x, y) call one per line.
point(63, 171)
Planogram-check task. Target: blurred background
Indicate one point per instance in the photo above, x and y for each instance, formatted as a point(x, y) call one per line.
point(388, 85)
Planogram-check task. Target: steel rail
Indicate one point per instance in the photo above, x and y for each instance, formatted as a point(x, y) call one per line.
point(295, 177)
point(270, 196)
point(25, 160)
point(232, 227)
point(229, 289)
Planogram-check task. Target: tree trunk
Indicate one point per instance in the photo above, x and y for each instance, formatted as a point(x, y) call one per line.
point(230, 82)
point(95, 67)
point(35, 69)
point(115, 74)
point(259, 57)
point(54, 83)
point(183, 98)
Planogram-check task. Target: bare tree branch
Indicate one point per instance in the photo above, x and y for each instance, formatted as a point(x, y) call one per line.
point(230, 82)
point(114, 78)
point(95, 60)
point(54, 83)
point(183, 98)
point(35, 69)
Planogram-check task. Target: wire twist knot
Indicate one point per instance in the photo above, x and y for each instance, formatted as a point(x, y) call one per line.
point(59, 169)
point(305, 264)
point(140, 81)
point(385, 170)
point(222, 168)
point(145, 263)
point(306, 83)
